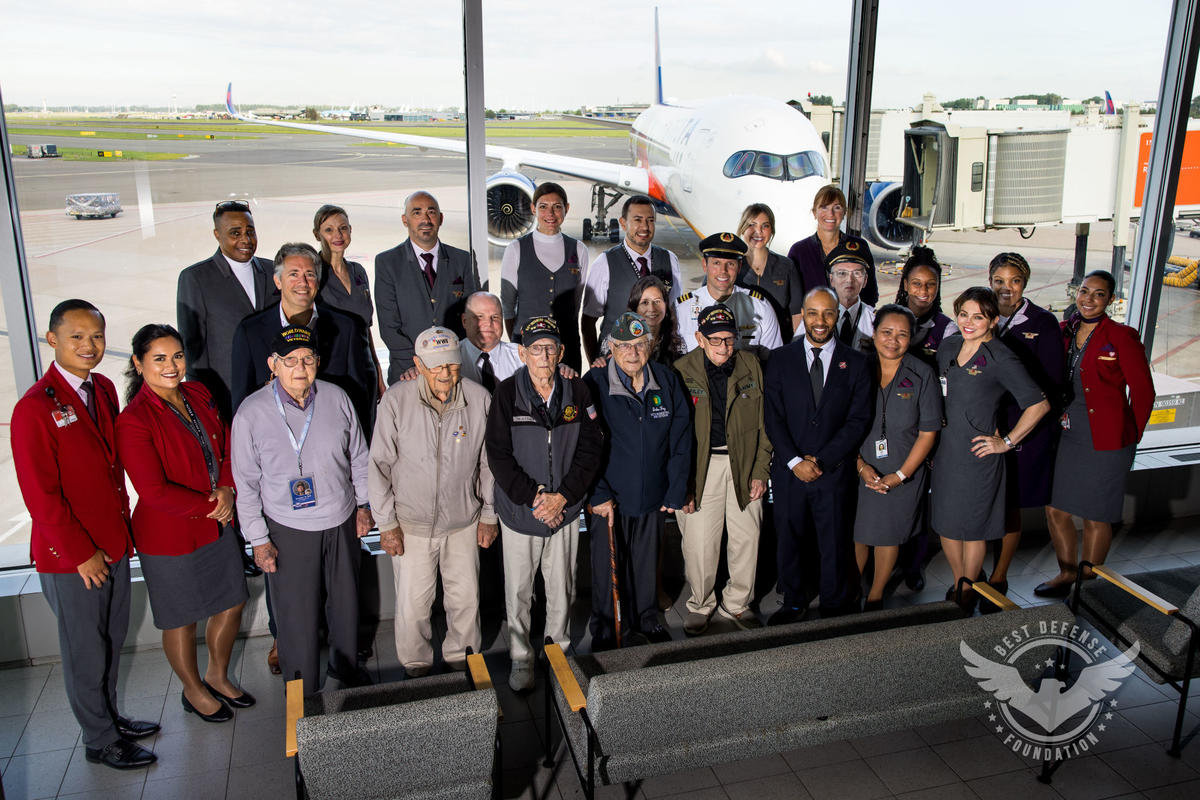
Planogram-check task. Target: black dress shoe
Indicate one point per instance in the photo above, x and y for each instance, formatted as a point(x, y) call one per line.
point(786, 615)
point(602, 643)
point(243, 700)
point(1051, 590)
point(120, 755)
point(915, 581)
point(249, 568)
point(657, 635)
point(222, 714)
point(135, 729)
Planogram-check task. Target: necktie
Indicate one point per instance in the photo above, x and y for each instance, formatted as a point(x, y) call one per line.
point(90, 391)
point(846, 334)
point(429, 274)
point(643, 268)
point(487, 374)
point(816, 376)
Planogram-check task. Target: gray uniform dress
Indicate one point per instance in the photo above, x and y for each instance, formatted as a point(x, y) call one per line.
point(357, 301)
point(1084, 477)
point(909, 405)
point(968, 491)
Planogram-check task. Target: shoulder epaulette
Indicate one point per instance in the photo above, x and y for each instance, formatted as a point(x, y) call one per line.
point(684, 297)
point(756, 294)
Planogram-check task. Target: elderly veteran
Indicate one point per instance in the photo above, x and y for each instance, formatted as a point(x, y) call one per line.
point(732, 465)
point(432, 488)
point(757, 324)
point(300, 465)
point(643, 407)
point(544, 446)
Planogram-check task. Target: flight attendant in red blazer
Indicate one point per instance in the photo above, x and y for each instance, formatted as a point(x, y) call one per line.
point(1101, 429)
point(65, 454)
point(176, 450)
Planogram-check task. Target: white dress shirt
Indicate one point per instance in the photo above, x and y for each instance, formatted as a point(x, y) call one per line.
point(504, 357)
point(312, 320)
point(420, 261)
point(595, 291)
point(756, 320)
point(75, 382)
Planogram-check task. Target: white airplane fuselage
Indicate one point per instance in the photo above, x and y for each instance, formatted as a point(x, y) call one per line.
point(685, 150)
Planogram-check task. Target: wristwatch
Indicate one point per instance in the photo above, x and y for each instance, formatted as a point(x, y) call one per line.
point(1008, 442)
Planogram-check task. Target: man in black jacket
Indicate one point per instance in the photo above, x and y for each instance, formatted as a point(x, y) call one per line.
point(345, 350)
point(543, 445)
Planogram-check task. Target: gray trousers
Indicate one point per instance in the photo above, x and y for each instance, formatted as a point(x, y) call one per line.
point(313, 566)
point(92, 624)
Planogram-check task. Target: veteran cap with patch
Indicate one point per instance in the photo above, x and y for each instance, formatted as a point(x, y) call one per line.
point(437, 346)
point(723, 245)
point(540, 328)
point(629, 326)
point(716, 319)
point(293, 337)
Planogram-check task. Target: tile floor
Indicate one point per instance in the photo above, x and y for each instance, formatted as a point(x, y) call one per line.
point(41, 756)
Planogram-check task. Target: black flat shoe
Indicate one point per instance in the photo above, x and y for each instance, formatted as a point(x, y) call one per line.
point(120, 755)
point(135, 729)
point(243, 700)
point(1051, 590)
point(786, 615)
point(222, 714)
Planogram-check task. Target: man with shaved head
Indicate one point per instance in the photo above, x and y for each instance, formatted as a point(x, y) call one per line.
point(420, 283)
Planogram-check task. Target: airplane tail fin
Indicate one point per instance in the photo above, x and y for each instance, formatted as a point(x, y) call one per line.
point(229, 100)
point(658, 90)
point(1108, 103)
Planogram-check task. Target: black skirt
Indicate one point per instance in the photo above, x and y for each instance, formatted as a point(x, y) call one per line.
point(188, 588)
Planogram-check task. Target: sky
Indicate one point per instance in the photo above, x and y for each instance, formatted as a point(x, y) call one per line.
point(540, 56)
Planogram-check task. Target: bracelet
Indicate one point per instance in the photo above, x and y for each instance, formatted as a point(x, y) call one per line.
point(1008, 442)
point(901, 475)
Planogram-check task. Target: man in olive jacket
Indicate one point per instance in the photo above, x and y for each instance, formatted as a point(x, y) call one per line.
point(732, 465)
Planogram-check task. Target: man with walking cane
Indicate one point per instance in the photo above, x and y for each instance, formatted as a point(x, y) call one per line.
point(648, 452)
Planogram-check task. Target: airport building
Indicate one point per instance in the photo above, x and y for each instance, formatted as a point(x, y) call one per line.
point(913, 700)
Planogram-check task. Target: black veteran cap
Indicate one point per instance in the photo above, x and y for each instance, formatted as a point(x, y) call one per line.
point(629, 326)
point(294, 337)
point(723, 245)
point(540, 328)
point(715, 319)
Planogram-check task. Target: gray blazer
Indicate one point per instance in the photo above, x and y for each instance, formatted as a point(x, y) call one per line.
point(405, 306)
point(209, 304)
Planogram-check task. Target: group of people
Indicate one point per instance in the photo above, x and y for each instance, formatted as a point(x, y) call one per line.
point(265, 418)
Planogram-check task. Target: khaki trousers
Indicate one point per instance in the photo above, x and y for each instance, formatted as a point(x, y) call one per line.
point(701, 533)
point(456, 557)
point(523, 555)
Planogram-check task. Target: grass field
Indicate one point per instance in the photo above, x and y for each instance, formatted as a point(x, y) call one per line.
point(101, 133)
point(85, 154)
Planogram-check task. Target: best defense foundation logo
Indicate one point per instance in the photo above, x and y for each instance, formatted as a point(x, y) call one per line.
point(1055, 720)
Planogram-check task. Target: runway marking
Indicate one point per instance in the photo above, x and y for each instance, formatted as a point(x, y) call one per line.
point(115, 235)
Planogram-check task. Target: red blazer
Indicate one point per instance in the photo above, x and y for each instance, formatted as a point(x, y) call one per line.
point(1115, 358)
point(71, 477)
point(166, 465)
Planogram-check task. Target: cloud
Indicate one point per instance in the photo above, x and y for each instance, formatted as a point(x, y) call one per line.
point(820, 67)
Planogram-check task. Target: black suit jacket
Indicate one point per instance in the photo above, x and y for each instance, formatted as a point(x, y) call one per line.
point(209, 304)
point(405, 306)
point(832, 431)
point(343, 346)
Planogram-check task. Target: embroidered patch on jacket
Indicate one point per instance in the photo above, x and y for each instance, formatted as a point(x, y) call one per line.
point(570, 413)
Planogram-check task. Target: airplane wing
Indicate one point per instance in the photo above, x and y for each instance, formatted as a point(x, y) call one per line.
point(626, 178)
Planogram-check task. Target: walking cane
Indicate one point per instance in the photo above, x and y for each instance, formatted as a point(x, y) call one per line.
point(612, 571)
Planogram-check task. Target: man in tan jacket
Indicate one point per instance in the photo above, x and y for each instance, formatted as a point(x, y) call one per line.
point(431, 492)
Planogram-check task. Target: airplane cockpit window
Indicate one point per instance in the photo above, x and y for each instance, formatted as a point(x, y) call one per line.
point(770, 165)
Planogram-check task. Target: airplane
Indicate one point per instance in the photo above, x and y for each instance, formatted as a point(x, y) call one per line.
point(703, 163)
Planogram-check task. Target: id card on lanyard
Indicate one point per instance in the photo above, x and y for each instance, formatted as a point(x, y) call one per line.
point(303, 490)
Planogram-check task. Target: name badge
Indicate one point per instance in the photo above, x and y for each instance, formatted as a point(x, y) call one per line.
point(881, 450)
point(64, 416)
point(945, 386)
point(1065, 421)
point(304, 493)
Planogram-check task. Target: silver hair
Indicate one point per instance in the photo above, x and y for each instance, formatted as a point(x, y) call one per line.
point(481, 295)
point(298, 249)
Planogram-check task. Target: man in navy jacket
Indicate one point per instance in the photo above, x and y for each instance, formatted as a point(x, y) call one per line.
point(648, 453)
point(817, 411)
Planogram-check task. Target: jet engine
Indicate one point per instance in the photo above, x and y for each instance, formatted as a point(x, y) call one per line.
point(880, 225)
point(509, 207)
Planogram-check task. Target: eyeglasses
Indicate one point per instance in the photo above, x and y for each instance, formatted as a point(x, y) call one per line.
point(292, 361)
point(847, 274)
point(233, 205)
point(543, 349)
point(629, 347)
point(720, 341)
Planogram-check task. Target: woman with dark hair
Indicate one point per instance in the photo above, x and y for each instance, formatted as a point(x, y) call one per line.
point(649, 297)
point(812, 255)
point(176, 451)
point(344, 284)
point(891, 461)
point(771, 273)
point(1100, 429)
point(1033, 334)
point(921, 292)
point(976, 370)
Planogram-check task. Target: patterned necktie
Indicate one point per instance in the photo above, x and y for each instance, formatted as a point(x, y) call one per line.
point(429, 273)
point(816, 376)
point(487, 374)
point(643, 267)
point(90, 391)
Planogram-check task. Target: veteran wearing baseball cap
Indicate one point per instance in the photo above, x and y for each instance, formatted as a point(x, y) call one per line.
point(757, 323)
point(431, 492)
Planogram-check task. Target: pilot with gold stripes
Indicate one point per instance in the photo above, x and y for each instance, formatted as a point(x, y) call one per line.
point(757, 325)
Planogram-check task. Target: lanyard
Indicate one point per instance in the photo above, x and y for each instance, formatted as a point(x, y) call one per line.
point(296, 446)
point(1008, 324)
point(192, 422)
point(883, 394)
point(1076, 354)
